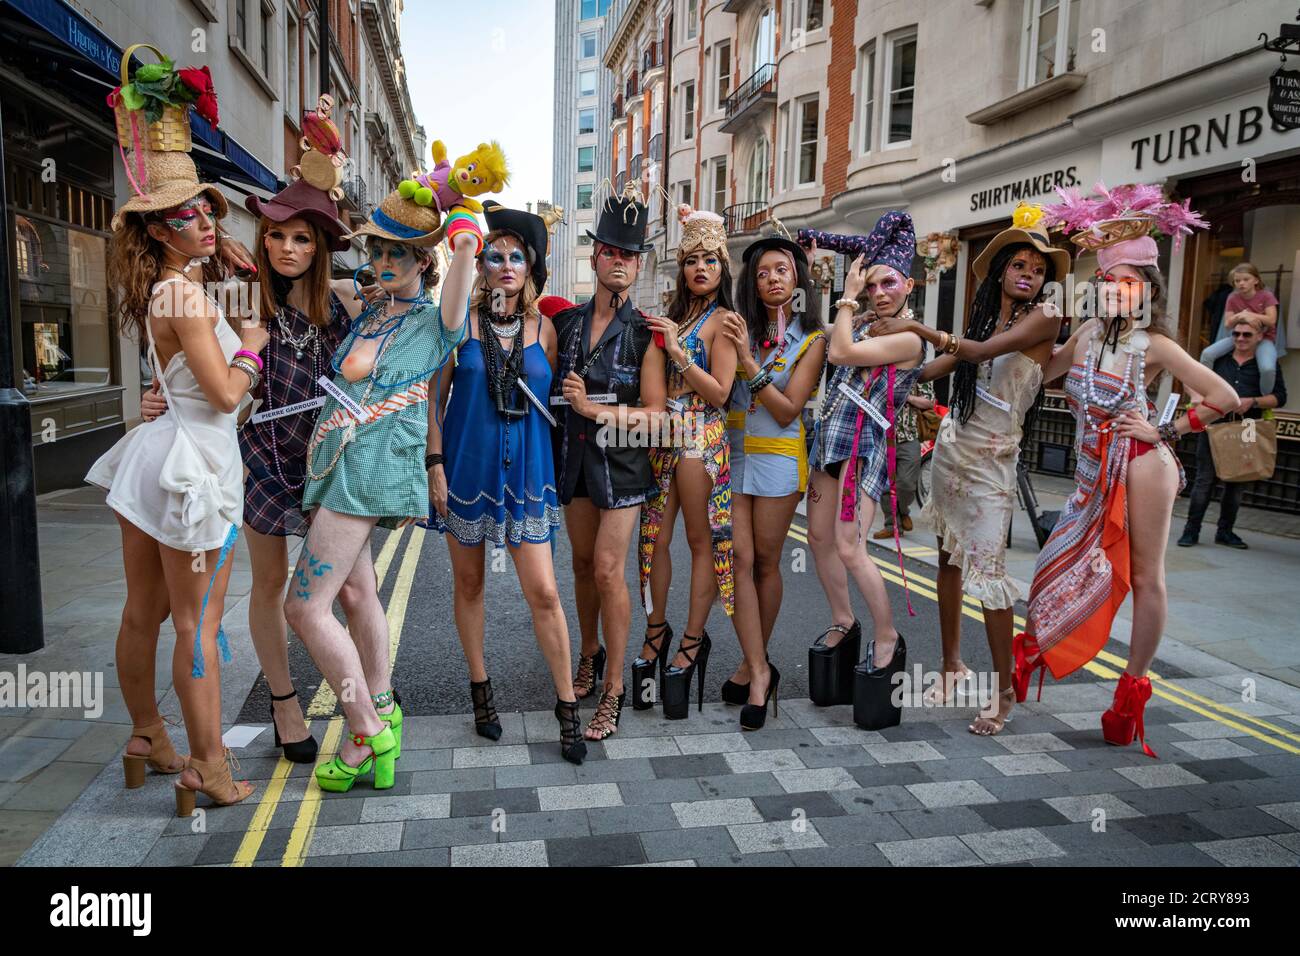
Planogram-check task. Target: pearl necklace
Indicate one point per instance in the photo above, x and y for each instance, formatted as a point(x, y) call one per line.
point(1136, 347)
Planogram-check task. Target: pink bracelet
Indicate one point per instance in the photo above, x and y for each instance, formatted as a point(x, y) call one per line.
point(252, 355)
point(460, 224)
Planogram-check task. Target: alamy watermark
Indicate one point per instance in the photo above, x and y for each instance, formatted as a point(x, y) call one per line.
point(79, 690)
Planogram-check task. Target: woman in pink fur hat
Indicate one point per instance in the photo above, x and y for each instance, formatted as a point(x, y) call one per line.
point(1113, 530)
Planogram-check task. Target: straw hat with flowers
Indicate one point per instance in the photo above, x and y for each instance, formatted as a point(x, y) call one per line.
point(153, 134)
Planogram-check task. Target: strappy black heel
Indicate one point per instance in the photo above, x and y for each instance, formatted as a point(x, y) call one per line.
point(754, 716)
point(299, 751)
point(590, 671)
point(572, 747)
point(486, 723)
point(643, 671)
point(608, 712)
point(677, 680)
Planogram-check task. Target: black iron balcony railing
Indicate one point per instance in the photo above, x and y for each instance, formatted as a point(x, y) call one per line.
point(634, 167)
point(616, 113)
point(762, 80)
point(354, 191)
point(656, 148)
point(619, 181)
point(633, 85)
point(746, 216)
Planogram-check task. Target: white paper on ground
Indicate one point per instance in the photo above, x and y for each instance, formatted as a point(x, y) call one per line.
point(240, 735)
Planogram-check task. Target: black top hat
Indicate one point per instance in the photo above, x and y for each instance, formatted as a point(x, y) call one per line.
point(759, 246)
point(530, 229)
point(622, 224)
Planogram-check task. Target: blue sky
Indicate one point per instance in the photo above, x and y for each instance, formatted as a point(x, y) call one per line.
point(493, 80)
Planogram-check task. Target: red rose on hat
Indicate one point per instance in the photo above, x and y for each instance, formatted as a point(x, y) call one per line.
point(199, 81)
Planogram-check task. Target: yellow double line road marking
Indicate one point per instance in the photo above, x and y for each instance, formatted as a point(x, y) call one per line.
point(1190, 700)
point(323, 705)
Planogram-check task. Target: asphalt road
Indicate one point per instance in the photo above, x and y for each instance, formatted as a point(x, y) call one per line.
point(432, 678)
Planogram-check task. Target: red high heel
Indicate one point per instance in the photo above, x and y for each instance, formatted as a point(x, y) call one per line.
point(1023, 647)
point(1124, 719)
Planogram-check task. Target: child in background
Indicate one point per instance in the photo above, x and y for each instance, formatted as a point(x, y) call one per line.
point(1250, 302)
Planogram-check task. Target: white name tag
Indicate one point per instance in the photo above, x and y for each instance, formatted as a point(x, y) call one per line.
point(675, 405)
point(341, 397)
point(992, 399)
point(1171, 406)
point(598, 398)
point(536, 401)
point(866, 406)
point(287, 410)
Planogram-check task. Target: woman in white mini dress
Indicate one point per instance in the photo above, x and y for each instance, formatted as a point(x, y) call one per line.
point(176, 483)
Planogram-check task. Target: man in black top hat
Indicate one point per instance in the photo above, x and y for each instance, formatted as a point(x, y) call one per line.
point(603, 474)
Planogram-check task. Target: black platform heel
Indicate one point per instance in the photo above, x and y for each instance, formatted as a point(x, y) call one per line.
point(754, 716)
point(590, 671)
point(738, 694)
point(300, 751)
point(486, 722)
point(643, 671)
point(830, 669)
point(677, 680)
point(874, 706)
point(572, 747)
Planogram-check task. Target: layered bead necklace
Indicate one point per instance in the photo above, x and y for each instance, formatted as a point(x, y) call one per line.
point(1136, 347)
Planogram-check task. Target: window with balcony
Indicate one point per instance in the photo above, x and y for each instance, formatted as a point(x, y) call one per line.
point(866, 95)
point(586, 82)
point(688, 110)
point(804, 136)
point(586, 120)
point(764, 49)
point(587, 46)
point(1049, 39)
point(900, 89)
point(586, 159)
point(584, 196)
point(722, 66)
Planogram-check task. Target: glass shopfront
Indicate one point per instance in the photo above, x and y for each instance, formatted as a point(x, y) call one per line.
point(59, 185)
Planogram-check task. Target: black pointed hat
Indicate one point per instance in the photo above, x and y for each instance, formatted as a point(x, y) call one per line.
point(530, 229)
point(622, 224)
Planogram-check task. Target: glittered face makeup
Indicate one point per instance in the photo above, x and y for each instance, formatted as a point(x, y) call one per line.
point(187, 213)
point(1025, 275)
point(886, 288)
point(776, 277)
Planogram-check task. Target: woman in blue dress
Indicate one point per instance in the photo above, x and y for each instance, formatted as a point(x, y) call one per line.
point(492, 464)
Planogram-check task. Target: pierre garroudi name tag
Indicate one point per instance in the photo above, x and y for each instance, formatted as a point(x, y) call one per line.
point(866, 406)
point(536, 401)
point(598, 398)
point(294, 409)
point(341, 397)
point(986, 396)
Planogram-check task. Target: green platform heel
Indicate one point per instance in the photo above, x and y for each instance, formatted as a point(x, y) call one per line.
point(393, 720)
point(337, 777)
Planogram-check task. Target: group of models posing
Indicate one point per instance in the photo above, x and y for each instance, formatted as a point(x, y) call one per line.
point(386, 408)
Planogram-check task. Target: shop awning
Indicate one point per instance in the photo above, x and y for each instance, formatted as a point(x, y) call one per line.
point(86, 44)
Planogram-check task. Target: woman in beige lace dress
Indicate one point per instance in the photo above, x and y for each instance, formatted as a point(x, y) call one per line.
point(999, 375)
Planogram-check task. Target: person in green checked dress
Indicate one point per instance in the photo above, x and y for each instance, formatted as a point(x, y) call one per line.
point(366, 466)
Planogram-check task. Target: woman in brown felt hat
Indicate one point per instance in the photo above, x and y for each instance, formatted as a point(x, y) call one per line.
point(997, 368)
point(175, 483)
point(308, 316)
